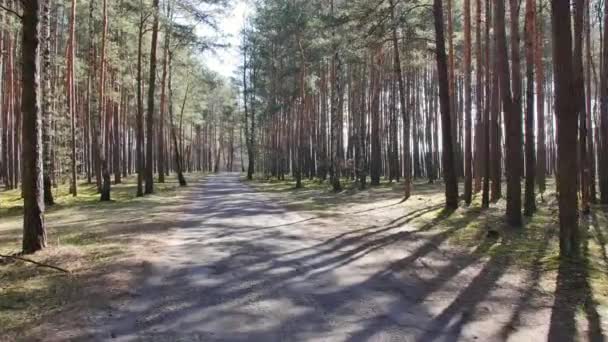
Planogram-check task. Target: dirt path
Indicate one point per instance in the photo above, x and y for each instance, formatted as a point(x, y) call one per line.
point(241, 268)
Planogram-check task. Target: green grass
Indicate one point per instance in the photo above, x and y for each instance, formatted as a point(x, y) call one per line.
point(95, 240)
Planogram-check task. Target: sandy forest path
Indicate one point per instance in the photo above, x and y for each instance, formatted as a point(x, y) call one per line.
point(242, 268)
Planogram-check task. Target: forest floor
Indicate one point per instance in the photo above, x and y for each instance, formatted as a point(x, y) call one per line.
point(230, 260)
point(102, 244)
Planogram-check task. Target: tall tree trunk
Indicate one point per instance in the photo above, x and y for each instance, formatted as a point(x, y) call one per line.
point(336, 115)
point(479, 102)
point(139, 144)
point(449, 167)
point(579, 97)
point(567, 123)
point(72, 97)
point(105, 172)
point(163, 102)
point(530, 201)
point(512, 112)
point(468, 154)
point(495, 130)
point(590, 111)
point(34, 229)
point(407, 181)
point(375, 156)
point(485, 196)
point(176, 153)
point(149, 172)
point(47, 91)
point(541, 160)
point(603, 160)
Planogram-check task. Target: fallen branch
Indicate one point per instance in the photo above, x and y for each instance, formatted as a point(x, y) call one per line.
point(35, 263)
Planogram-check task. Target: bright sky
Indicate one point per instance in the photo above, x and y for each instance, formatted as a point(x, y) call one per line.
point(226, 61)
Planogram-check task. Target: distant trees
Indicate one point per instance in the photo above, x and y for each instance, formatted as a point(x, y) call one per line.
point(71, 89)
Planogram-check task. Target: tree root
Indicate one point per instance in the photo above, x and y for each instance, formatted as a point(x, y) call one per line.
point(40, 264)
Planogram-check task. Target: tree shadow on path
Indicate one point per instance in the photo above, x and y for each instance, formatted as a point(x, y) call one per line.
point(574, 293)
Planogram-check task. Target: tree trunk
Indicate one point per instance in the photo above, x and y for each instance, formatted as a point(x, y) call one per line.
point(375, 157)
point(530, 201)
point(486, 169)
point(407, 181)
point(541, 160)
point(71, 90)
point(34, 229)
point(336, 116)
point(468, 154)
point(149, 172)
point(512, 116)
point(139, 145)
point(449, 168)
point(567, 123)
point(163, 103)
point(579, 98)
point(105, 173)
point(47, 114)
point(176, 152)
point(603, 160)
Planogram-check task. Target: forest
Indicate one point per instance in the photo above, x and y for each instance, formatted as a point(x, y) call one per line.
point(429, 159)
point(426, 90)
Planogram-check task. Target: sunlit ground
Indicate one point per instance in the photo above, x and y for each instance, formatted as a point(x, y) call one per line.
point(92, 239)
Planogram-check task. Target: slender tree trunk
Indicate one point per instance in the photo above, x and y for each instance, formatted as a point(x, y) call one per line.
point(407, 181)
point(176, 152)
point(495, 131)
point(34, 229)
point(149, 172)
point(468, 154)
point(105, 188)
point(336, 116)
point(139, 145)
point(47, 91)
point(541, 160)
point(567, 123)
point(530, 201)
point(479, 103)
point(512, 112)
point(603, 160)
point(72, 97)
point(449, 168)
point(375, 157)
point(163, 103)
point(485, 196)
point(579, 97)
point(590, 111)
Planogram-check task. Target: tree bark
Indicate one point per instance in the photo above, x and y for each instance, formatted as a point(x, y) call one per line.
point(567, 123)
point(579, 98)
point(105, 173)
point(47, 115)
point(449, 169)
point(512, 118)
point(541, 160)
point(603, 160)
point(139, 145)
point(407, 181)
point(149, 172)
point(34, 229)
point(530, 200)
point(468, 154)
